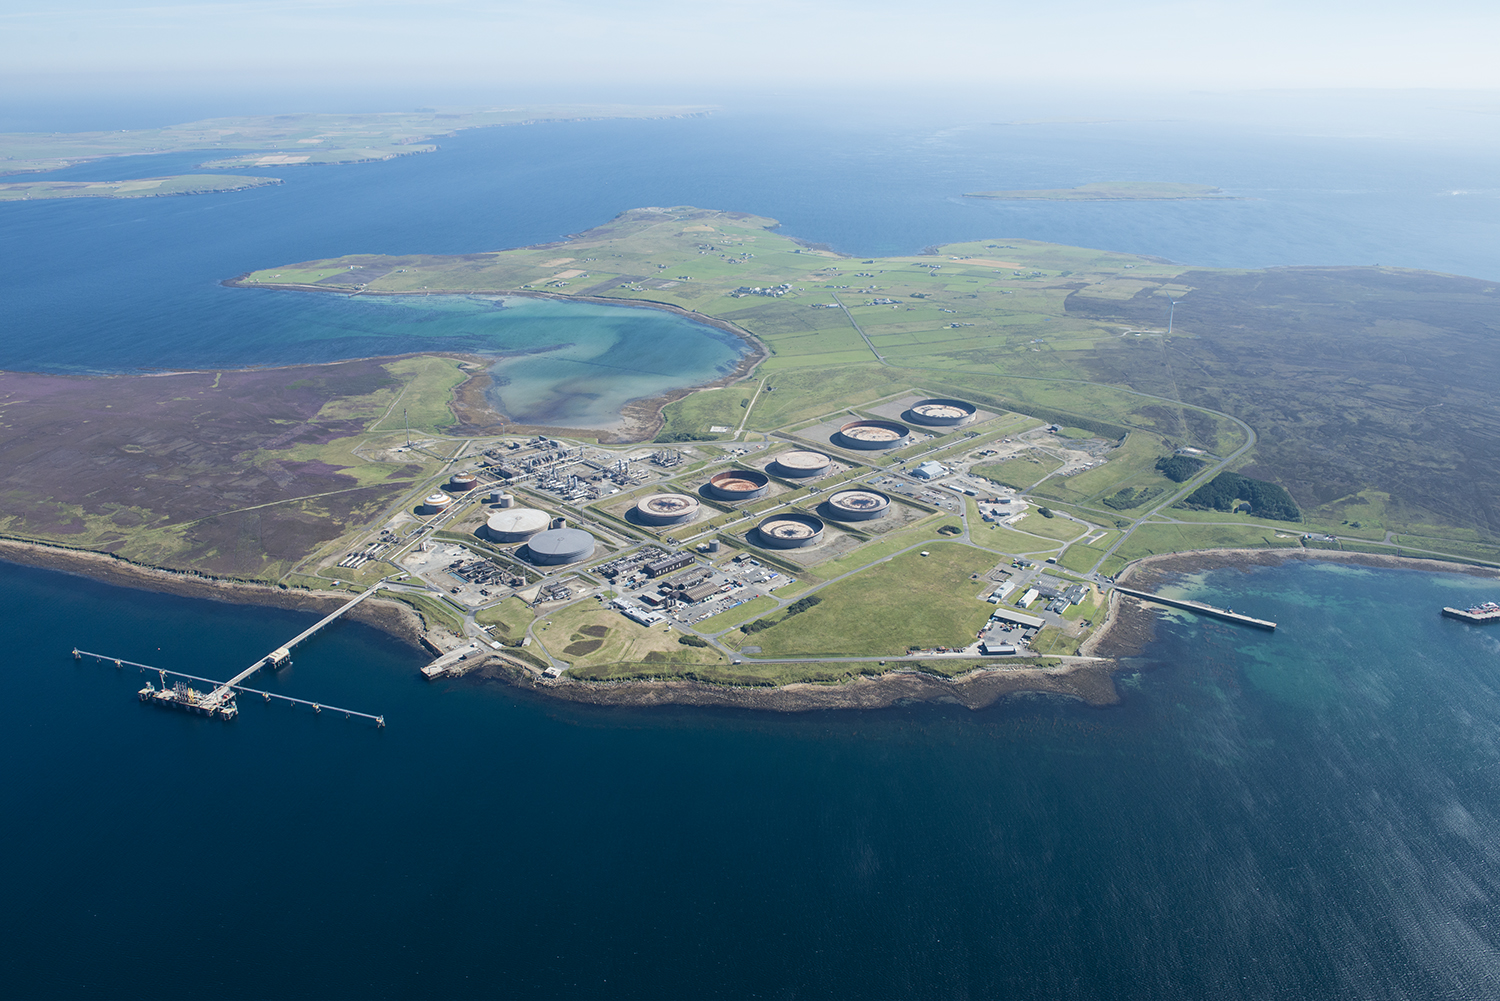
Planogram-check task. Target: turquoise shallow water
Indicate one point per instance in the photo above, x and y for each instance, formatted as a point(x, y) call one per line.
point(1306, 814)
point(567, 364)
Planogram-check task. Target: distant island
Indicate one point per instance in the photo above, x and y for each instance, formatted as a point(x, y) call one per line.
point(143, 187)
point(1110, 191)
point(288, 140)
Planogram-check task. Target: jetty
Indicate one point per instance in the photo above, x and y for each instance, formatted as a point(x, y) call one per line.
point(1200, 608)
point(450, 662)
point(1479, 615)
point(219, 701)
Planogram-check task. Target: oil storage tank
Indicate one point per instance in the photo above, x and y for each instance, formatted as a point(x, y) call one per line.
point(433, 503)
point(739, 485)
point(516, 524)
point(462, 482)
point(559, 546)
point(801, 464)
point(667, 509)
point(870, 435)
point(941, 412)
point(858, 505)
point(790, 531)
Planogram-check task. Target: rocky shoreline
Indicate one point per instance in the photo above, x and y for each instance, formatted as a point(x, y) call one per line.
point(1128, 628)
point(394, 618)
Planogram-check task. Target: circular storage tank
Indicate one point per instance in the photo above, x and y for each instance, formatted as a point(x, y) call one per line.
point(869, 435)
point(791, 531)
point(516, 524)
point(941, 413)
point(858, 505)
point(558, 546)
point(436, 502)
point(667, 509)
point(739, 484)
point(463, 481)
point(801, 463)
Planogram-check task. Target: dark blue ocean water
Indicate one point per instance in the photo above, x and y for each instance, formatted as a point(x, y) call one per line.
point(1306, 814)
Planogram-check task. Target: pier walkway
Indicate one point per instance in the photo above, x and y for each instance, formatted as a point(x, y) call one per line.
point(283, 653)
point(1200, 608)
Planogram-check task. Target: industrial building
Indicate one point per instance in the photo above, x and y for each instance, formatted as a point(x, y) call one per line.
point(516, 524)
point(636, 613)
point(941, 413)
point(870, 435)
point(667, 509)
point(697, 592)
point(1018, 618)
point(858, 505)
point(559, 546)
point(668, 563)
point(791, 531)
point(801, 464)
point(739, 485)
point(930, 470)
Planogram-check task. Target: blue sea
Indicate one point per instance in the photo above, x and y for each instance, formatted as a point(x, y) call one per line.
point(1309, 813)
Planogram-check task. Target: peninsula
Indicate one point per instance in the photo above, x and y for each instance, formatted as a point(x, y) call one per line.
point(932, 474)
point(1110, 191)
point(294, 139)
point(144, 187)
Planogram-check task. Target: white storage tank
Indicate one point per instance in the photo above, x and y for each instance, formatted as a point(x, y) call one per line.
point(667, 509)
point(858, 505)
point(516, 524)
point(801, 464)
point(559, 546)
point(790, 531)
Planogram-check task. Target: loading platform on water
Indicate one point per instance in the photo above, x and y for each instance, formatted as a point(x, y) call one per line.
point(1227, 614)
point(1479, 615)
point(219, 701)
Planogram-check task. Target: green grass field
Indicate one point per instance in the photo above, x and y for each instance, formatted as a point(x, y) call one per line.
point(912, 601)
point(1022, 472)
point(587, 637)
point(509, 618)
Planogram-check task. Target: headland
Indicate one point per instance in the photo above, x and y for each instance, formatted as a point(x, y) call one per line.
point(1110, 191)
point(1033, 444)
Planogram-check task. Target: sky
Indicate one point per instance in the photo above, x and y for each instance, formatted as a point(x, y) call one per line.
point(679, 49)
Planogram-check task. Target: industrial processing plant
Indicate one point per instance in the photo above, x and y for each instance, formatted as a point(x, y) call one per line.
point(801, 464)
point(559, 546)
point(667, 509)
point(791, 531)
point(869, 435)
point(739, 485)
point(858, 505)
point(941, 413)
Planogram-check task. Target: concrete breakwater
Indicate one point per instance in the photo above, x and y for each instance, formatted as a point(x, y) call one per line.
point(1200, 608)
